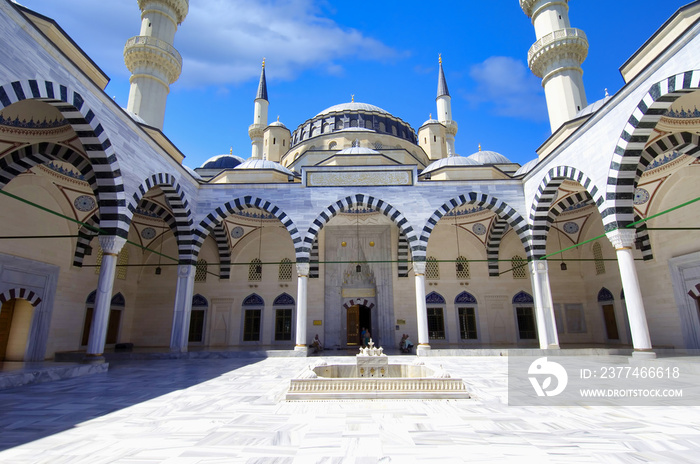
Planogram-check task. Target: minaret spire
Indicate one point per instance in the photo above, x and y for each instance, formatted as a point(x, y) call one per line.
point(256, 130)
point(444, 110)
point(556, 57)
point(153, 61)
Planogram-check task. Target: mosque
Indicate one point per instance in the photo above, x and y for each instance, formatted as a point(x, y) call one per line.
point(351, 220)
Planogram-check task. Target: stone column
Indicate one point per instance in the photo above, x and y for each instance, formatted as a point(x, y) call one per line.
point(623, 240)
point(302, 289)
point(544, 309)
point(183, 308)
point(111, 245)
point(421, 309)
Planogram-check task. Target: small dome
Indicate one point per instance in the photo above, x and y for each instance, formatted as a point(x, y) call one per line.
point(451, 161)
point(277, 124)
point(352, 106)
point(593, 107)
point(222, 162)
point(489, 157)
point(252, 163)
point(431, 121)
point(358, 151)
point(527, 167)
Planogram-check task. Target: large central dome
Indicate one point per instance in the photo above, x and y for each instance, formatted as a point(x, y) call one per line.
point(352, 106)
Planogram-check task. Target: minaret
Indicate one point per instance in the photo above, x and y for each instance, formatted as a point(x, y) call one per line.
point(444, 111)
point(153, 61)
point(556, 57)
point(256, 130)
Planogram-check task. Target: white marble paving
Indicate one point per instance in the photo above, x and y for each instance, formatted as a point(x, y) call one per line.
point(232, 411)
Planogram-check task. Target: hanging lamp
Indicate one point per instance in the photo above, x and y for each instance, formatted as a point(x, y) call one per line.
point(561, 252)
point(258, 267)
point(460, 266)
point(160, 251)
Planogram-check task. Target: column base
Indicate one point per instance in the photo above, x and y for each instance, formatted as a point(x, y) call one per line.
point(423, 350)
point(639, 355)
point(93, 359)
point(303, 349)
point(554, 346)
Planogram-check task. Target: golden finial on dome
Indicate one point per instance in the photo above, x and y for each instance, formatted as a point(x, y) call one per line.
point(352, 98)
point(263, 62)
point(479, 147)
point(440, 57)
point(278, 118)
point(430, 116)
point(230, 152)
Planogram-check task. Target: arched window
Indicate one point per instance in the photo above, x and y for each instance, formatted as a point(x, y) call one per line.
point(598, 256)
point(285, 271)
point(519, 267)
point(467, 316)
point(525, 316)
point(462, 272)
point(369, 125)
point(432, 269)
point(382, 127)
point(606, 300)
point(353, 123)
point(198, 319)
point(255, 270)
point(436, 316)
point(284, 312)
point(200, 274)
point(332, 145)
point(252, 317)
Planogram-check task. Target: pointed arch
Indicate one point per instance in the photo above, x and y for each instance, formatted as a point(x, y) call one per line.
point(284, 299)
point(523, 297)
point(359, 199)
point(20, 292)
point(180, 208)
point(96, 143)
point(209, 223)
point(434, 298)
point(605, 295)
point(500, 208)
point(224, 249)
point(253, 300)
point(546, 193)
point(465, 298)
point(628, 160)
point(498, 229)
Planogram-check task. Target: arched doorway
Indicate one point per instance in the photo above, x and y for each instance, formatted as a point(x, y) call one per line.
point(15, 323)
point(359, 318)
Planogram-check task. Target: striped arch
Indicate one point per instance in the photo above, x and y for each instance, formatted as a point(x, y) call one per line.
point(28, 295)
point(546, 193)
point(500, 208)
point(493, 243)
point(179, 205)
point(85, 236)
point(362, 302)
point(213, 219)
point(643, 239)
point(24, 158)
point(628, 160)
point(222, 244)
point(368, 201)
point(97, 146)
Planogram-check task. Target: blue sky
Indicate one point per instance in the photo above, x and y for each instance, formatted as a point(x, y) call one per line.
point(384, 52)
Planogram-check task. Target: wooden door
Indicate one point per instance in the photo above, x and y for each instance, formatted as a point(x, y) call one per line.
point(6, 313)
point(353, 325)
point(610, 322)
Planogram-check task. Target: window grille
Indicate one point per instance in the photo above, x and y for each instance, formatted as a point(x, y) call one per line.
point(251, 325)
point(598, 256)
point(436, 324)
point(98, 260)
point(432, 269)
point(285, 271)
point(519, 267)
point(122, 261)
point(200, 274)
point(464, 273)
point(283, 324)
point(467, 324)
point(255, 270)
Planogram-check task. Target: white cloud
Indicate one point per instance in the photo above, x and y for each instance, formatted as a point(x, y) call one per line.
point(507, 88)
point(222, 41)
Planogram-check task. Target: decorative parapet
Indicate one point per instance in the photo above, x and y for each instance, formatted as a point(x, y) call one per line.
point(568, 43)
point(375, 388)
point(256, 131)
point(179, 7)
point(450, 127)
point(150, 51)
point(527, 6)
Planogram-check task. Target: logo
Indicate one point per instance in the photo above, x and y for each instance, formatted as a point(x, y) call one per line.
point(547, 370)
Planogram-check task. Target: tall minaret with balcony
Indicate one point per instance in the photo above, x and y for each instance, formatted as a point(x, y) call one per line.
point(444, 110)
point(153, 61)
point(556, 57)
point(256, 130)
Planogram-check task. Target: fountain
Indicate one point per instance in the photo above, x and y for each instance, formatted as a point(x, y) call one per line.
point(372, 377)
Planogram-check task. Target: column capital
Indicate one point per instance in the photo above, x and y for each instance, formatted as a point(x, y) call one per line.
point(303, 269)
point(419, 267)
point(622, 238)
point(538, 266)
point(111, 243)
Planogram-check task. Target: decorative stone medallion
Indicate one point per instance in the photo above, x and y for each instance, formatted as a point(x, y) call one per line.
point(148, 233)
point(479, 229)
point(571, 227)
point(641, 196)
point(237, 232)
point(84, 203)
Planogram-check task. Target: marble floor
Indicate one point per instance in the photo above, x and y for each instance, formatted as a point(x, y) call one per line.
point(232, 411)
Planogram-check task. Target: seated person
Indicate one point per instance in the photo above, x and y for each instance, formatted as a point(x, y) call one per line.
point(316, 344)
point(408, 344)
